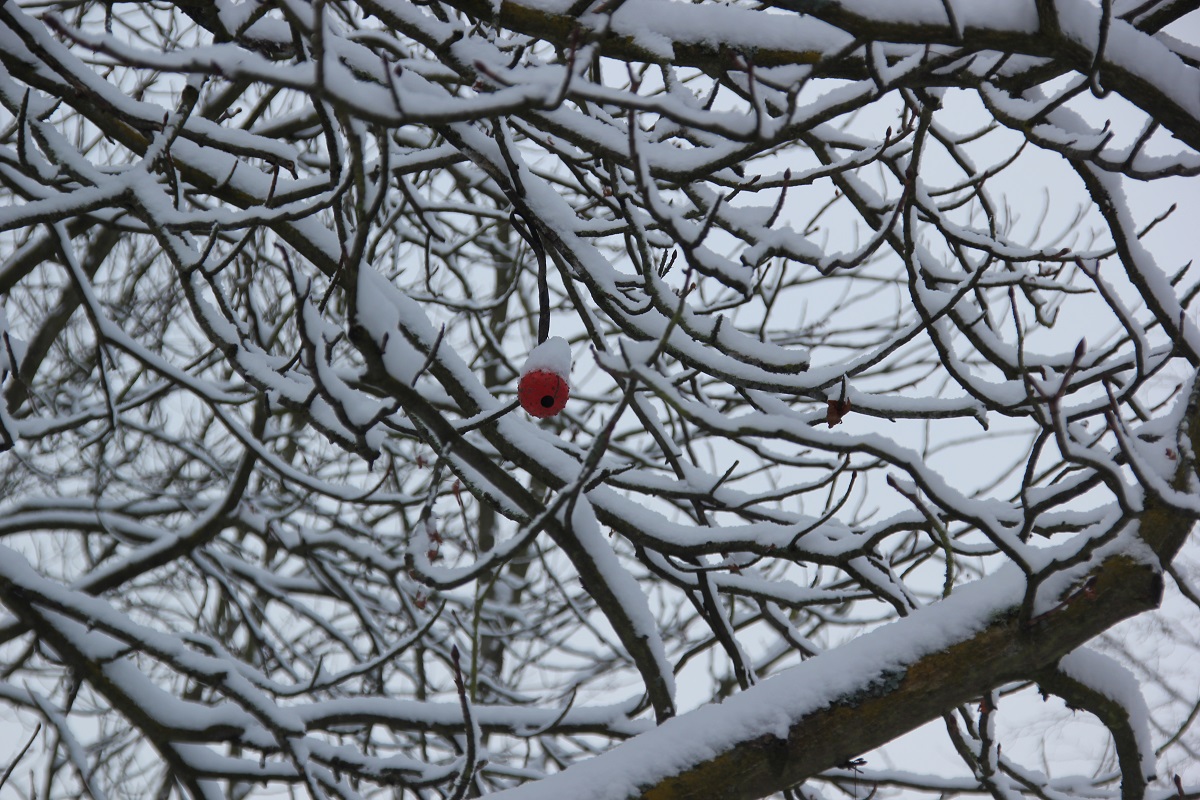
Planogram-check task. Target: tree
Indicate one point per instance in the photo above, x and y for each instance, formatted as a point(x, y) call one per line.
point(855, 405)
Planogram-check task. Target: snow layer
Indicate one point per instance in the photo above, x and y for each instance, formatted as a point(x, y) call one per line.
point(552, 355)
point(1111, 679)
point(624, 587)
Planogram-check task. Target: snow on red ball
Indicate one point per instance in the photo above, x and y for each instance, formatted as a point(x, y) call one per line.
point(542, 393)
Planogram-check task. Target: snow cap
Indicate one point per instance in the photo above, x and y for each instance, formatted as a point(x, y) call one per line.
point(552, 355)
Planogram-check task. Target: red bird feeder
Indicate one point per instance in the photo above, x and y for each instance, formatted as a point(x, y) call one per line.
point(543, 389)
point(542, 393)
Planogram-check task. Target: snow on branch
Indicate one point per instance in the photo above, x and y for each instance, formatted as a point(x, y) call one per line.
point(863, 356)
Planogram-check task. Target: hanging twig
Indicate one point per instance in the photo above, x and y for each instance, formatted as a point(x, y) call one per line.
point(530, 234)
point(1101, 44)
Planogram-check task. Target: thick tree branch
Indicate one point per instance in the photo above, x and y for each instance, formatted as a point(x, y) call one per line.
point(877, 709)
point(879, 706)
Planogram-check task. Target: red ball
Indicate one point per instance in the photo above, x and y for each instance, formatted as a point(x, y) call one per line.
point(542, 393)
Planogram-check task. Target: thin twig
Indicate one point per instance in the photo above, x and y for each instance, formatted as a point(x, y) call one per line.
point(20, 755)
